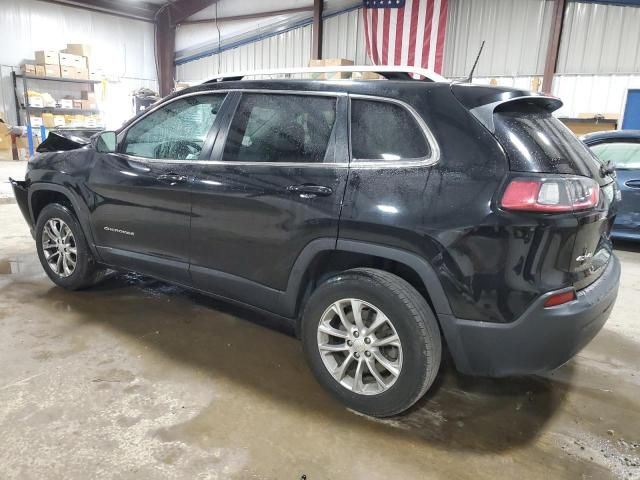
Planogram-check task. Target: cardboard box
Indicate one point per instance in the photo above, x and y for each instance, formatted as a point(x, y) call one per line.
point(331, 62)
point(5, 141)
point(58, 120)
point(80, 49)
point(36, 101)
point(88, 105)
point(366, 76)
point(67, 72)
point(50, 57)
point(47, 120)
point(40, 71)
point(22, 146)
point(28, 68)
point(36, 122)
point(66, 103)
point(82, 73)
point(77, 104)
point(52, 70)
point(91, 96)
point(70, 60)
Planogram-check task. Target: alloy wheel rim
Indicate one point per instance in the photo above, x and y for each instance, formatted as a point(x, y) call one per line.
point(359, 346)
point(59, 247)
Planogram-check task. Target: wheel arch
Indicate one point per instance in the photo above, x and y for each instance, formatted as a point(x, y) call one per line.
point(43, 194)
point(321, 260)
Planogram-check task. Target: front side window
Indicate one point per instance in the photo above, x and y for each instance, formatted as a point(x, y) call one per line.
point(280, 128)
point(176, 131)
point(385, 131)
point(621, 154)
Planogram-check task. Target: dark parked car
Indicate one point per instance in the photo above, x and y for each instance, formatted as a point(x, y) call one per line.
point(620, 149)
point(384, 219)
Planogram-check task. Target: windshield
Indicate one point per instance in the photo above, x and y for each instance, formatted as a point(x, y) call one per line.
point(624, 155)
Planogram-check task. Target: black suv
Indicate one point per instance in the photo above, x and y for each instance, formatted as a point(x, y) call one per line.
point(384, 219)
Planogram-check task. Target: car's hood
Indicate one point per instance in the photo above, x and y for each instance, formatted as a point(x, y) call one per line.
point(57, 142)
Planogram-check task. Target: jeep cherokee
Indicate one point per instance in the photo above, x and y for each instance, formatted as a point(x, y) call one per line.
point(384, 219)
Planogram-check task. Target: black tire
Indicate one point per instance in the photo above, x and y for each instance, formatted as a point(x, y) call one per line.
point(414, 322)
point(86, 272)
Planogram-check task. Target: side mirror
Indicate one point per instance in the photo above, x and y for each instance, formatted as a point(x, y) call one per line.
point(106, 142)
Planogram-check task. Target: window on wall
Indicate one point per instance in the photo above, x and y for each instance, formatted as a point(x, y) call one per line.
point(176, 131)
point(281, 128)
point(385, 131)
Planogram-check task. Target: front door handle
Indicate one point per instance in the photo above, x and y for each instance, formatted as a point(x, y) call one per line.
point(633, 183)
point(172, 178)
point(310, 191)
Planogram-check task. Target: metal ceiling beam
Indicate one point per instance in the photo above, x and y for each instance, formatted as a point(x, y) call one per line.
point(250, 16)
point(553, 49)
point(182, 9)
point(167, 17)
point(316, 30)
point(136, 11)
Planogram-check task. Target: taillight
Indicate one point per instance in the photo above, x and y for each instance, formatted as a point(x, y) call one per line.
point(551, 194)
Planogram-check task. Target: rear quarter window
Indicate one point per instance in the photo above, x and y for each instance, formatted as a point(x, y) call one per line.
point(386, 131)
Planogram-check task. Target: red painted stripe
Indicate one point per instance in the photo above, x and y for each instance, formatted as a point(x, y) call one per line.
point(374, 37)
point(442, 27)
point(399, 26)
point(428, 20)
point(367, 32)
point(386, 19)
point(415, 6)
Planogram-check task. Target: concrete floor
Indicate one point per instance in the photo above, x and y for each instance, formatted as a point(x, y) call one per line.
point(138, 379)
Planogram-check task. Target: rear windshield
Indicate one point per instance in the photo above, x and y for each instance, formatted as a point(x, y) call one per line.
point(536, 141)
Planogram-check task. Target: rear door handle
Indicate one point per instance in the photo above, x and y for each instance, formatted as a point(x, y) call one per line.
point(632, 183)
point(172, 178)
point(310, 191)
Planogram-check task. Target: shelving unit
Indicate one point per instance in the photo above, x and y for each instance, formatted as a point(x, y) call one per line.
point(23, 106)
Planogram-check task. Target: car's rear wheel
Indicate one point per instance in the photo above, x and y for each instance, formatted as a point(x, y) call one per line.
point(372, 341)
point(63, 249)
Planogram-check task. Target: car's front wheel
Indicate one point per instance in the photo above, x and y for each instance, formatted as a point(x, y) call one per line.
point(63, 250)
point(372, 341)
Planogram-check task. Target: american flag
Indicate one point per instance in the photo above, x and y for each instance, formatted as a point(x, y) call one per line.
point(405, 32)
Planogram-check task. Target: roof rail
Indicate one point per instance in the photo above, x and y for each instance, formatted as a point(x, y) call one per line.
point(390, 72)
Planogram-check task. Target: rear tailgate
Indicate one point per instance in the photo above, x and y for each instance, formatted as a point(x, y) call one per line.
point(538, 143)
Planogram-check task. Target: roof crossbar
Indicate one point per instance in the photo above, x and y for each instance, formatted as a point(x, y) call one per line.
point(390, 72)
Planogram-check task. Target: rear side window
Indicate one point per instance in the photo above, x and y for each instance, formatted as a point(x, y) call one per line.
point(621, 154)
point(281, 128)
point(385, 131)
point(536, 141)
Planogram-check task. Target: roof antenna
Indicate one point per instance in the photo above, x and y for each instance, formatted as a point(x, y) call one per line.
point(475, 64)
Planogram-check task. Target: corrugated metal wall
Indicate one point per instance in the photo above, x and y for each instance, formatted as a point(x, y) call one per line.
point(600, 38)
point(516, 35)
point(343, 37)
point(288, 49)
point(598, 42)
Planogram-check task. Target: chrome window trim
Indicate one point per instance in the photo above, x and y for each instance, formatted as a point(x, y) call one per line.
point(221, 162)
point(355, 163)
point(403, 162)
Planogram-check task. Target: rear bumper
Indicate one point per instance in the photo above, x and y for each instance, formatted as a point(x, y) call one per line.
point(540, 340)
